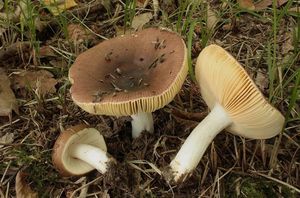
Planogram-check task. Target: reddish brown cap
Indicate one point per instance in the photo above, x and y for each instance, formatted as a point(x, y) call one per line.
point(125, 75)
point(79, 134)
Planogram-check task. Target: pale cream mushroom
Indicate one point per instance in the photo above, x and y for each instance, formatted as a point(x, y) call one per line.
point(79, 150)
point(236, 105)
point(130, 75)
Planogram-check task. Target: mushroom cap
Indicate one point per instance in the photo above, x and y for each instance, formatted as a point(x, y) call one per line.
point(129, 74)
point(223, 80)
point(79, 134)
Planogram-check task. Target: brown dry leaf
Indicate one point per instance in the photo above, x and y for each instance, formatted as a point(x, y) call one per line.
point(140, 20)
point(77, 33)
point(8, 101)
point(23, 190)
point(58, 6)
point(287, 45)
point(120, 30)
point(212, 19)
point(8, 138)
point(246, 4)
point(261, 80)
point(46, 51)
point(266, 3)
point(41, 81)
point(142, 3)
point(59, 63)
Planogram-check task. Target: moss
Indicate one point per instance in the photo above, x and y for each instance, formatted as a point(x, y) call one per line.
point(39, 170)
point(248, 187)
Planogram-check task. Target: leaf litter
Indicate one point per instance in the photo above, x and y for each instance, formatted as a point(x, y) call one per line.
point(41, 81)
point(23, 190)
point(8, 102)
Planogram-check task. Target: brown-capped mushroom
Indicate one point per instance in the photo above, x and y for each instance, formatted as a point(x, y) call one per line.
point(79, 150)
point(236, 105)
point(130, 75)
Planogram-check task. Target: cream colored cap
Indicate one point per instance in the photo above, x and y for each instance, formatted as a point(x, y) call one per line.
point(79, 134)
point(223, 80)
point(129, 74)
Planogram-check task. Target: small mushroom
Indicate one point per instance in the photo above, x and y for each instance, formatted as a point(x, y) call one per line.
point(142, 82)
point(236, 105)
point(79, 150)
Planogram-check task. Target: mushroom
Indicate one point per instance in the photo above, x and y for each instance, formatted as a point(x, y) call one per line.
point(130, 75)
point(79, 150)
point(236, 105)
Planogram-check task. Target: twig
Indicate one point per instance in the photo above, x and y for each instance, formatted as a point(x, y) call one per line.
point(85, 186)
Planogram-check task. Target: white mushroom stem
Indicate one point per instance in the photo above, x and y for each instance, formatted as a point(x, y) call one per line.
point(195, 145)
point(92, 155)
point(141, 122)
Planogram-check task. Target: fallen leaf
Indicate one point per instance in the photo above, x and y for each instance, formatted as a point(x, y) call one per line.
point(261, 80)
point(246, 4)
point(58, 6)
point(266, 3)
point(8, 138)
point(287, 45)
point(8, 102)
point(59, 63)
point(41, 81)
point(23, 190)
point(120, 30)
point(77, 33)
point(140, 20)
point(142, 3)
point(212, 19)
point(46, 51)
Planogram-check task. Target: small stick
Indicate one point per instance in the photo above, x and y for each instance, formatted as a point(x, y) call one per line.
point(118, 71)
point(140, 82)
point(118, 89)
point(110, 75)
point(162, 58)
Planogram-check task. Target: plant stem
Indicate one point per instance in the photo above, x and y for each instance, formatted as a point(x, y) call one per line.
point(140, 122)
point(92, 155)
point(195, 145)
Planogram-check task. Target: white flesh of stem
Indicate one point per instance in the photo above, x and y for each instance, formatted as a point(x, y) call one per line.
point(195, 145)
point(92, 155)
point(141, 122)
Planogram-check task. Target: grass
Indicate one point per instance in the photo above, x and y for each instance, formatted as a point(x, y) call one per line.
point(231, 167)
point(129, 13)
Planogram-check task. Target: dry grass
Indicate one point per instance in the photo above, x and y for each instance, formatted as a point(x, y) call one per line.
point(232, 166)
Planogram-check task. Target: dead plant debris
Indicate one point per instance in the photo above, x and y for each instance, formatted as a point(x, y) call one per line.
point(35, 59)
